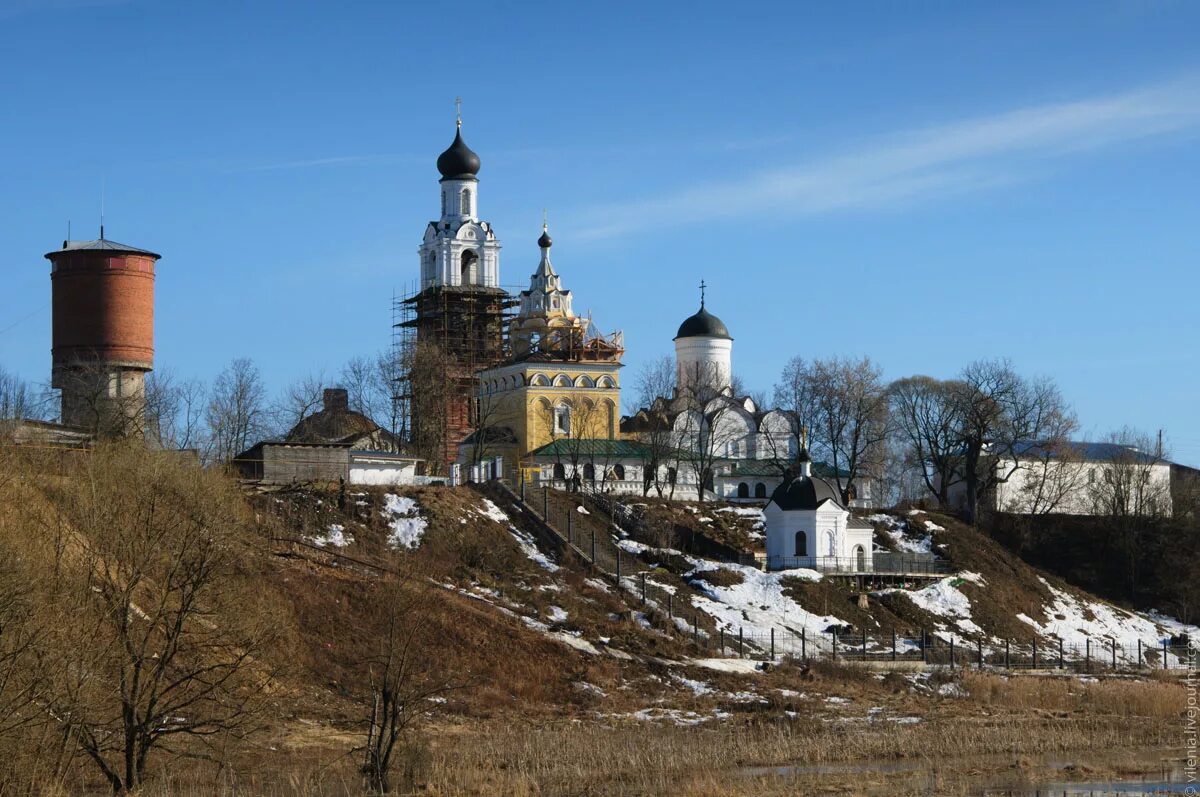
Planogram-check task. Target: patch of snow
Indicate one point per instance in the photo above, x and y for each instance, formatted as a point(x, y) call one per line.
point(837, 700)
point(904, 720)
point(335, 537)
point(591, 689)
point(951, 690)
point(529, 548)
point(596, 583)
point(493, 512)
point(581, 509)
point(698, 687)
point(737, 666)
point(943, 599)
point(1107, 622)
point(557, 614)
point(406, 524)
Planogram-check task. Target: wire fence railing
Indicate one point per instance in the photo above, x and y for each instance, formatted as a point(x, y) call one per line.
point(637, 580)
point(878, 563)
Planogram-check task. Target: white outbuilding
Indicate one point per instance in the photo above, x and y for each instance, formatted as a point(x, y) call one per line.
point(807, 526)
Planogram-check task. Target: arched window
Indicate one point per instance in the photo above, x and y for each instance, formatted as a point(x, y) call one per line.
point(431, 267)
point(760, 490)
point(562, 419)
point(467, 267)
point(560, 473)
point(589, 472)
point(619, 472)
point(610, 411)
point(539, 380)
point(562, 380)
point(801, 544)
point(743, 490)
point(466, 202)
point(831, 544)
point(860, 558)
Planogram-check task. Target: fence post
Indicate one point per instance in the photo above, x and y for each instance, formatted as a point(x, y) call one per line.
point(721, 631)
point(1164, 654)
point(670, 607)
point(864, 645)
point(695, 629)
point(924, 648)
point(1006, 661)
point(741, 644)
point(643, 587)
point(618, 567)
point(522, 487)
point(593, 546)
point(772, 643)
point(546, 504)
point(952, 651)
point(803, 647)
point(979, 651)
point(1114, 654)
point(833, 633)
point(1035, 653)
point(1139, 664)
point(893, 643)
point(1087, 655)
point(1060, 653)
point(570, 525)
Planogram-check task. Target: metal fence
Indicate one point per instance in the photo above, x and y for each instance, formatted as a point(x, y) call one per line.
point(1093, 655)
point(879, 563)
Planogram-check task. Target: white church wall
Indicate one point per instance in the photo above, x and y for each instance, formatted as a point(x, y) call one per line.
point(709, 357)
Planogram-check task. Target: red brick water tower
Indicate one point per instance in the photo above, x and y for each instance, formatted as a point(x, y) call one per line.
point(103, 332)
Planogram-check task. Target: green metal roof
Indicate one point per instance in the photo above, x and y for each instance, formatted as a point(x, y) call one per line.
point(593, 448)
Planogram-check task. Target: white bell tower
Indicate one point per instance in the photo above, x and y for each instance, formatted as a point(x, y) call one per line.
point(459, 250)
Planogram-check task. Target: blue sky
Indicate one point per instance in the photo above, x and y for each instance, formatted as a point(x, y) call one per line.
point(926, 183)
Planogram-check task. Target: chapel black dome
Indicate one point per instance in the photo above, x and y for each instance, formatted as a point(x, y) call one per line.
point(545, 242)
point(805, 492)
point(458, 162)
point(703, 325)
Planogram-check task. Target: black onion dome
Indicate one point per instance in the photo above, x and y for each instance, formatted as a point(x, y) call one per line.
point(458, 162)
point(545, 242)
point(805, 492)
point(703, 325)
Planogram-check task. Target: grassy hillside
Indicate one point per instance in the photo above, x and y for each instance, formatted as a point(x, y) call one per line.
point(556, 678)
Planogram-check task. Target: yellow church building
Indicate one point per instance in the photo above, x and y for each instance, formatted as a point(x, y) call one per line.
point(561, 384)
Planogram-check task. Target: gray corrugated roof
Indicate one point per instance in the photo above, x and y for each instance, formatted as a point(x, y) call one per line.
point(1092, 452)
point(100, 245)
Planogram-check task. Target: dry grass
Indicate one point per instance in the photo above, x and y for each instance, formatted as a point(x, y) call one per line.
point(1124, 698)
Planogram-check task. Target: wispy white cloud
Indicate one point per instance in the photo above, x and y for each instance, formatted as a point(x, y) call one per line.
point(928, 163)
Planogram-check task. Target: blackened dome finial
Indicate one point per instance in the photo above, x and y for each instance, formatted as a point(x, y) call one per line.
point(458, 162)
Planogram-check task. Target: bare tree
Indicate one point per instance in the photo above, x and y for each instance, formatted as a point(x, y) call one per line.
point(927, 418)
point(430, 384)
point(174, 410)
point(167, 624)
point(299, 400)
point(406, 680)
point(236, 413)
point(705, 424)
point(1132, 487)
point(20, 400)
point(851, 418)
point(1000, 412)
point(1052, 476)
point(654, 387)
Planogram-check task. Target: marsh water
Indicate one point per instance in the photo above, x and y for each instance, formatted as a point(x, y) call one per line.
point(997, 776)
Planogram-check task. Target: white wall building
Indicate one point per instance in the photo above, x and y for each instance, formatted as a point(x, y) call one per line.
point(1080, 478)
point(807, 526)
